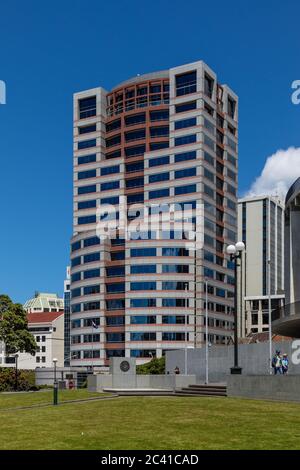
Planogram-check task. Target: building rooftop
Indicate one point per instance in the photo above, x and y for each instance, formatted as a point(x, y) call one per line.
point(41, 317)
point(44, 302)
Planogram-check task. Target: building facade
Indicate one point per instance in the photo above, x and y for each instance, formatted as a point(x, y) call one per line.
point(162, 138)
point(261, 228)
point(67, 319)
point(45, 315)
point(48, 330)
point(286, 320)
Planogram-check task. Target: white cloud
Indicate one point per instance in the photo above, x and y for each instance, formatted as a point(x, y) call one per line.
point(280, 171)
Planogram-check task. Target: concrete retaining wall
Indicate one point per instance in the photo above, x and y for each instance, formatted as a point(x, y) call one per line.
point(253, 358)
point(97, 382)
point(267, 387)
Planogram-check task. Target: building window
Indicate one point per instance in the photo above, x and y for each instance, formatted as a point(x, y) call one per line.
point(134, 167)
point(143, 269)
point(86, 174)
point(115, 287)
point(142, 303)
point(175, 268)
point(162, 115)
point(115, 154)
point(91, 306)
point(135, 151)
point(86, 159)
point(87, 129)
point(143, 353)
point(185, 173)
point(143, 336)
point(114, 125)
point(184, 123)
point(87, 189)
point(87, 107)
point(185, 139)
point(86, 144)
point(142, 319)
point(208, 86)
point(109, 170)
point(182, 108)
point(159, 177)
point(116, 140)
point(115, 271)
point(115, 337)
point(86, 204)
point(159, 193)
point(158, 145)
point(135, 135)
point(186, 83)
point(89, 290)
point(175, 319)
point(174, 251)
point(159, 131)
point(135, 119)
point(91, 257)
point(167, 336)
point(159, 161)
point(110, 185)
point(231, 107)
point(88, 219)
point(190, 188)
point(143, 285)
point(115, 304)
point(175, 285)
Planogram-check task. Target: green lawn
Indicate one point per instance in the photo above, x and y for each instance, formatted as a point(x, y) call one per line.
point(150, 423)
point(16, 400)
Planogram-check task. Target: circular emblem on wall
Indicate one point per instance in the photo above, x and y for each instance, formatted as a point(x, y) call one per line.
point(124, 366)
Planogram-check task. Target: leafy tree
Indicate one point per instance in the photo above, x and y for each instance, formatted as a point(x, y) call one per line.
point(14, 328)
point(154, 367)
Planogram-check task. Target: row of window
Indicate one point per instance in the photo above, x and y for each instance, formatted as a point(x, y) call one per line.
point(116, 271)
point(157, 161)
point(134, 336)
point(139, 118)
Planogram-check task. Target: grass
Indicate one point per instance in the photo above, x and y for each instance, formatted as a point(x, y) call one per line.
point(149, 423)
point(16, 400)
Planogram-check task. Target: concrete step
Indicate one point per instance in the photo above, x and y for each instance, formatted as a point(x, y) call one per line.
point(140, 392)
point(179, 393)
point(207, 387)
point(203, 390)
point(206, 390)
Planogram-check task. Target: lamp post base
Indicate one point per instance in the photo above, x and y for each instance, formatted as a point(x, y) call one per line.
point(236, 370)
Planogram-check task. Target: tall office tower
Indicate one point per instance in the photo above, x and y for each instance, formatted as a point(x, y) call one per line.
point(261, 228)
point(67, 320)
point(164, 137)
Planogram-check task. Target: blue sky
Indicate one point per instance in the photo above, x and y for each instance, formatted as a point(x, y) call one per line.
point(49, 50)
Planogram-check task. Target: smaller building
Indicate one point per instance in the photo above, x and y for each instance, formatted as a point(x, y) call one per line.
point(45, 314)
point(261, 228)
point(48, 330)
point(44, 302)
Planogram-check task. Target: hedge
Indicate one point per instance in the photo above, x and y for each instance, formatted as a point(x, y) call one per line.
point(26, 380)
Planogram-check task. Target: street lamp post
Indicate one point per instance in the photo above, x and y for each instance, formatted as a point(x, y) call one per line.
point(235, 252)
point(55, 388)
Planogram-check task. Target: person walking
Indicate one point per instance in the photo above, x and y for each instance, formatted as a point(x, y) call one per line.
point(285, 364)
point(277, 363)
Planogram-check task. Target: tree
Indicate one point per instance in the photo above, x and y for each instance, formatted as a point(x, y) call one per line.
point(154, 367)
point(14, 328)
